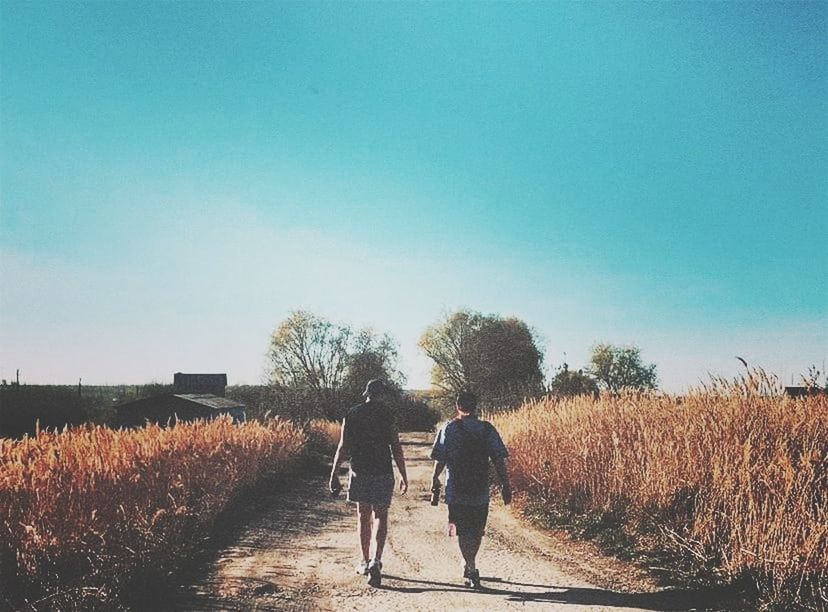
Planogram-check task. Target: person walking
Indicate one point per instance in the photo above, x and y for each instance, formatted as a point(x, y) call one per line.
point(369, 439)
point(465, 445)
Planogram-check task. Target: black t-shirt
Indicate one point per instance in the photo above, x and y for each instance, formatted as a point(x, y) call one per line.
point(369, 430)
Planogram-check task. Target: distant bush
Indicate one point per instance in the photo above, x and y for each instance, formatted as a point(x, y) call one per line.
point(323, 438)
point(414, 414)
point(23, 406)
point(265, 401)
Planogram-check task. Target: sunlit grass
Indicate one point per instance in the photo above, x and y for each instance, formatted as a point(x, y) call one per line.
point(89, 510)
point(735, 475)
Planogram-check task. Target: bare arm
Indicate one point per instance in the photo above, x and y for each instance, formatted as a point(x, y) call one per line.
point(435, 474)
point(339, 457)
point(399, 459)
point(503, 477)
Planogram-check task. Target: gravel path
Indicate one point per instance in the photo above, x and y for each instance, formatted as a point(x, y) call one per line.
point(299, 551)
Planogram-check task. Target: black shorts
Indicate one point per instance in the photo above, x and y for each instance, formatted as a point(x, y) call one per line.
point(468, 520)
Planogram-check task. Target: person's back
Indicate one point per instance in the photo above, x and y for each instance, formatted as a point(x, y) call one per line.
point(468, 445)
point(369, 438)
point(369, 432)
point(465, 445)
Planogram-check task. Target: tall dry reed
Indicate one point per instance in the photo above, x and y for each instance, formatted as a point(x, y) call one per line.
point(324, 434)
point(735, 474)
point(87, 511)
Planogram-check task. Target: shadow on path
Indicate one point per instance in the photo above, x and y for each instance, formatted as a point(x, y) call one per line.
point(273, 522)
point(668, 600)
point(415, 443)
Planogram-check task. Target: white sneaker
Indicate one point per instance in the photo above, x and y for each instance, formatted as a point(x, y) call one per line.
point(362, 568)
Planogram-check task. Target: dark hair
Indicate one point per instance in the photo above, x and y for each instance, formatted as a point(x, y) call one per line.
point(467, 401)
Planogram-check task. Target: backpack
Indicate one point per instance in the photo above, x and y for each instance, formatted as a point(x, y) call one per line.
point(469, 461)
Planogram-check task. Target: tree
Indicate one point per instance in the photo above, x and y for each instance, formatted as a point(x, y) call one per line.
point(617, 367)
point(311, 353)
point(371, 356)
point(313, 360)
point(572, 382)
point(497, 358)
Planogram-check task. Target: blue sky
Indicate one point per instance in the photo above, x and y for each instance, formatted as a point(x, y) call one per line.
point(175, 178)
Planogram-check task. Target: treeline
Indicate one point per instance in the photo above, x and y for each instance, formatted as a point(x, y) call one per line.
point(24, 408)
point(316, 369)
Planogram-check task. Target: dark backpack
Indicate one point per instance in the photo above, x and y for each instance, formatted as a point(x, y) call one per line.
point(469, 460)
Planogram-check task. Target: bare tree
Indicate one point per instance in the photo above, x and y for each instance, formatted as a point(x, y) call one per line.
point(307, 352)
point(313, 359)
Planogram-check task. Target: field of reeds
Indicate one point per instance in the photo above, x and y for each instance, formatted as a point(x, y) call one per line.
point(732, 478)
point(90, 513)
point(324, 435)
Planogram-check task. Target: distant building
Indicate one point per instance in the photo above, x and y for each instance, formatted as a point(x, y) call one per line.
point(213, 384)
point(175, 408)
point(804, 391)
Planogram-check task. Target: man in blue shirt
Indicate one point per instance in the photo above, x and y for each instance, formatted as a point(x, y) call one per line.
point(465, 445)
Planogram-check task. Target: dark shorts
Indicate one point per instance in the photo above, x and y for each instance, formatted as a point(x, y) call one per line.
point(375, 489)
point(468, 520)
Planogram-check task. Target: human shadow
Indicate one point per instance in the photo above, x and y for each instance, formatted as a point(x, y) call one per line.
point(415, 443)
point(673, 600)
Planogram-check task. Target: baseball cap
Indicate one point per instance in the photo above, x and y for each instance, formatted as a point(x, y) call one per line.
point(374, 386)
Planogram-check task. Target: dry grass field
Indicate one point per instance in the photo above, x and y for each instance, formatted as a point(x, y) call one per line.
point(324, 434)
point(734, 476)
point(90, 512)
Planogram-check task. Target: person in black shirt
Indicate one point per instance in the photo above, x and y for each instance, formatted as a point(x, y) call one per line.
point(369, 438)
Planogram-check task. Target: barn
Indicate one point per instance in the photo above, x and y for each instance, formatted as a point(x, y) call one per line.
point(214, 384)
point(177, 408)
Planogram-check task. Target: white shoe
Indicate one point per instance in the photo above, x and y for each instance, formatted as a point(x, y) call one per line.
point(362, 568)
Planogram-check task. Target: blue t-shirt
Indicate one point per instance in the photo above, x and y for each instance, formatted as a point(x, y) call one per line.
point(447, 439)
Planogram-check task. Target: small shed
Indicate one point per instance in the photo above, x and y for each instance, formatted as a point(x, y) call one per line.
point(803, 391)
point(175, 408)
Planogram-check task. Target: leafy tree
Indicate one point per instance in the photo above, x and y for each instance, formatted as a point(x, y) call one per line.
point(371, 356)
point(313, 361)
point(572, 382)
point(498, 358)
point(617, 367)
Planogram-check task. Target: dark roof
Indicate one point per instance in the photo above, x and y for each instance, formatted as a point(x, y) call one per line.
point(210, 400)
point(170, 408)
point(221, 376)
point(202, 400)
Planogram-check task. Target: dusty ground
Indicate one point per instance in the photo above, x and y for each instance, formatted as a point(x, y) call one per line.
point(298, 553)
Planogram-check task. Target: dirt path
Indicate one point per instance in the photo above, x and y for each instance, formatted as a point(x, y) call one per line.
point(299, 554)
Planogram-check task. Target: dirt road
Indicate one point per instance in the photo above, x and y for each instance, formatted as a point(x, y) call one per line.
point(299, 551)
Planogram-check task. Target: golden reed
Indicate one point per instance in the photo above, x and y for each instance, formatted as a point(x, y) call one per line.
point(735, 474)
point(84, 511)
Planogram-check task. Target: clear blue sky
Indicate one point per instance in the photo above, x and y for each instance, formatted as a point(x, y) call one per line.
point(177, 177)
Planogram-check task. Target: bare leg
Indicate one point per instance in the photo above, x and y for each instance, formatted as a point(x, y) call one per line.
point(380, 530)
point(469, 546)
point(364, 529)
